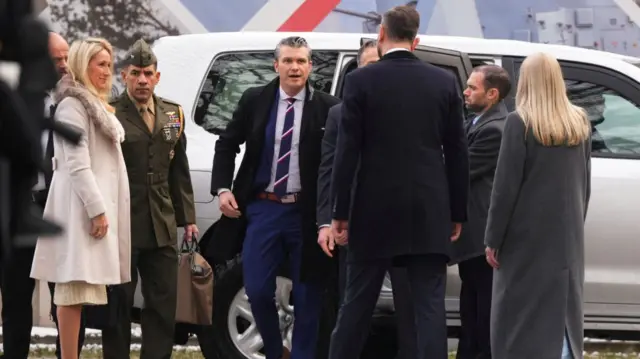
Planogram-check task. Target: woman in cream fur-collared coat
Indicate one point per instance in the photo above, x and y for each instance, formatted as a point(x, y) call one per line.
point(89, 195)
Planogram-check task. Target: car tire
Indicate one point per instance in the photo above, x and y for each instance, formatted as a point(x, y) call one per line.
point(216, 341)
point(228, 282)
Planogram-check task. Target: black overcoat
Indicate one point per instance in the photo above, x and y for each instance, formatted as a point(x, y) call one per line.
point(402, 124)
point(247, 127)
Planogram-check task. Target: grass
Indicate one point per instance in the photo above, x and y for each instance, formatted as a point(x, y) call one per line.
point(46, 353)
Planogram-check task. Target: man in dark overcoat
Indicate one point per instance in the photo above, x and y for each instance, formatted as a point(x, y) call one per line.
point(273, 198)
point(402, 122)
point(486, 88)
point(367, 54)
point(161, 200)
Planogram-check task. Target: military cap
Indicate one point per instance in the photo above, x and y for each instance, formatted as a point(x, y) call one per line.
point(141, 55)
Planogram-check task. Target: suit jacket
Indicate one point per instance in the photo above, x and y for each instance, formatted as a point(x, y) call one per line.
point(326, 164)
point(402, 121)
point(247, 127)
point(484, 146)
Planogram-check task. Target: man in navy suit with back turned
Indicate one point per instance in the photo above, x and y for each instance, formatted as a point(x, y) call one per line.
point(274, 195)
point(402, 122)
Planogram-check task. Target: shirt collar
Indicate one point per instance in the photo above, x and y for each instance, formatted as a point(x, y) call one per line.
point(150, 104)
point(299, 96)
point(396, 49)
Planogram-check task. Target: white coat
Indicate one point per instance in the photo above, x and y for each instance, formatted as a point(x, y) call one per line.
point(88, 179)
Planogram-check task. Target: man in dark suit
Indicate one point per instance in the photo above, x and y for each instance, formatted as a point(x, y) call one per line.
point(274, 194)
point(367, 54)
point(402, 123)
point(486, 88)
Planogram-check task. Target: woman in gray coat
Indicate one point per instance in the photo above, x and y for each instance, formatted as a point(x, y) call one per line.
point(535, 229)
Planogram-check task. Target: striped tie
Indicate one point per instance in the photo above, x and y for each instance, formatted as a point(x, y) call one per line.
point(282, 168)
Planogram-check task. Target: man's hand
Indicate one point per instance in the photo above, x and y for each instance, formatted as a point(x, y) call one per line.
point(190, 230)
point(326, 240)
point(228, 205)
point(340, 231)
point(491, 257)
point(455, 232)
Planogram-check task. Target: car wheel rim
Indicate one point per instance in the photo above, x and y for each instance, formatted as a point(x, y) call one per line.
point(242, 325)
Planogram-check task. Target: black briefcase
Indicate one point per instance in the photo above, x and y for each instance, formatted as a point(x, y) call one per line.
point(106, 316)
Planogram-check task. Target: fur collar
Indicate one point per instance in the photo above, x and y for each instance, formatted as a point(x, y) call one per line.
point(94, 108)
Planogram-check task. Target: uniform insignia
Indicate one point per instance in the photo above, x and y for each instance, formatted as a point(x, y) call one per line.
point(174, 120)
point(173, 117)
point(171, 154)
point(167, 133)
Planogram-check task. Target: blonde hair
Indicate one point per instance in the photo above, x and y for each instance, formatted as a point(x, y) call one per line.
point(542, 102)
point(80, 54)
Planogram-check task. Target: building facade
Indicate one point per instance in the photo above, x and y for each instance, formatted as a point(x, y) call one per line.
point(609, 25)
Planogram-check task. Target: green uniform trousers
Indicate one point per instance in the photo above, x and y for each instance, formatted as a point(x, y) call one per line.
point(158, 268)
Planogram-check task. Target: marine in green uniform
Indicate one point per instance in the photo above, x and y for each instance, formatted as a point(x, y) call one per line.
point(161, 200)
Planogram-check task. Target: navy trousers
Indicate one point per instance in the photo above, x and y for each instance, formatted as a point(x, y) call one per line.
point(274, 235)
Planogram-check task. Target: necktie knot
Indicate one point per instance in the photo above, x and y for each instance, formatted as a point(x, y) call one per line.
point(291, 100)
point(143, 109)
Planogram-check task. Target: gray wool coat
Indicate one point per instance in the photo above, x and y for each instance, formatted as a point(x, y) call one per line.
point(536, 222)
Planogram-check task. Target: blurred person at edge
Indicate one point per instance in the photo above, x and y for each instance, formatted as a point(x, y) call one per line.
point(535, 228)
point(486, 88)
point(16, 284)
point(89, 195)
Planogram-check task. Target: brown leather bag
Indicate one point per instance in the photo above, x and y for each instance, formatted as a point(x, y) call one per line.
point(195, 286)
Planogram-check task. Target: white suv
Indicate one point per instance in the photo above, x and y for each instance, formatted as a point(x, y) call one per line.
point(207, 74)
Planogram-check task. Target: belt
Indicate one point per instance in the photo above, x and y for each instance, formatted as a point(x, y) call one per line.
point(288, 198)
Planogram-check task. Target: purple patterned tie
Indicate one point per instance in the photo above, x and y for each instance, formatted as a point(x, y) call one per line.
point(282, 168)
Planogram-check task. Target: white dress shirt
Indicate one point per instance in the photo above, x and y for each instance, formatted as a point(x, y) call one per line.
point(293, 182)
point(396, 49)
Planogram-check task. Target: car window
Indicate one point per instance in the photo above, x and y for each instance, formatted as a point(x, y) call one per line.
point(615, 120)
point(232, 74)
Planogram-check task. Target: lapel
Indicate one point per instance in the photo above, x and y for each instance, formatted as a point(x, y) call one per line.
point(161, 115)
point(131, 113)
point(262, 110)
point(496, 112)
point(308, 111)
